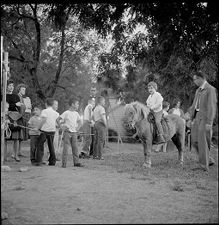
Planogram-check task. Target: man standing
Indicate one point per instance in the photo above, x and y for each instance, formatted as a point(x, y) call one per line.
point(21, 89)
point(202, 113)
point(87, 123)
point(93, 94)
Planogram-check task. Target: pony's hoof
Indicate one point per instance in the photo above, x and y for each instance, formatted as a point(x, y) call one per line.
point(147, 165)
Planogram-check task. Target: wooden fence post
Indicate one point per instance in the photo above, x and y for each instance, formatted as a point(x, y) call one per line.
point(4, 71)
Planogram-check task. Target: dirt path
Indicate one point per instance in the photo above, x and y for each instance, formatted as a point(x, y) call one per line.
point(115, 190)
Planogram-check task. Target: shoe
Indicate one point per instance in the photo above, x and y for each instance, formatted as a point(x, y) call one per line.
point(211, 163)
point(84, 156)
point(95, 157)
point(81, 155)
point(160, 139)
point(21, 155)
point(38, 164)
point(51, 164)
point(63, 165)
point(101, 158)
point(17, 159)
point(78, 165)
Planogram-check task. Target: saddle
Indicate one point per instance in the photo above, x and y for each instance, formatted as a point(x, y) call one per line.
point(165, 125)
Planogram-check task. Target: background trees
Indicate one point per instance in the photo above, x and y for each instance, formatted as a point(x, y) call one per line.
point(59, 49)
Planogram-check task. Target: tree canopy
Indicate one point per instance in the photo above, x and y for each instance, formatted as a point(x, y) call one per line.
point(59, 49)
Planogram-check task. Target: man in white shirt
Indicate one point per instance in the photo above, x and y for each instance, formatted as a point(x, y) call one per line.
point(100, 127)
point(87, 123)
point(154, 102)
point(48, 128)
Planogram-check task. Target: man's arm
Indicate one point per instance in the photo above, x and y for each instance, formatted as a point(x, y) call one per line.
point(103, 117)
point(58, 121)
point(211, 106)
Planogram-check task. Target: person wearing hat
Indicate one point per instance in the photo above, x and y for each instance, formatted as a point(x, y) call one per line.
point(154, 102)
point(203, 112)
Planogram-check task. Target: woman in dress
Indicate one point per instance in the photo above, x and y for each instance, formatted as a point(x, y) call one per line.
point(14, 106)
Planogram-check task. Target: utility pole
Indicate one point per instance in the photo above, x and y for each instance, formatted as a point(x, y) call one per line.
point(4, 72)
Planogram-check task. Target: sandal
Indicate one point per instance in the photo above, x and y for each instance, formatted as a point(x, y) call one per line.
point(17, 159)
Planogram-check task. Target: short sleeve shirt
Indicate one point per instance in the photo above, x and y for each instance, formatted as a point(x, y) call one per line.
point(34, 122)
point(98, 112)
point(71, 119)
point(51, 115)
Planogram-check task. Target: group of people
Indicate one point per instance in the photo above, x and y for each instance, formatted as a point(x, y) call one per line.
point(201, 114)
point(44, 123)
point(19, 106)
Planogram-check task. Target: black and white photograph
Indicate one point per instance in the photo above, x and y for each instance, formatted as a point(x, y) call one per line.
point(109, 112)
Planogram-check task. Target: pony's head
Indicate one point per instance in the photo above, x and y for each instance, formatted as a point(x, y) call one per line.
point(129, 114)
point(135, 112)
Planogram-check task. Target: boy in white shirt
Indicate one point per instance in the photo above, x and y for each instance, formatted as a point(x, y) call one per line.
point(70, 122)
point(154, 102)
point(87, 123)
point(47, 128)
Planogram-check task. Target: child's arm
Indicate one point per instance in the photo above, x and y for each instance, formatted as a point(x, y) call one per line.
point(58, 121)
point(103, 115)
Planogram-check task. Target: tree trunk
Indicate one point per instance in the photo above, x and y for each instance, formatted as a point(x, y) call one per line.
point(52, 88)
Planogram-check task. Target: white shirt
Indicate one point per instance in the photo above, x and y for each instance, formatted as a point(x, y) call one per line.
point(98, 112)
point(176, 111)
point(203, 85)
point(88, 112)
point(51, 115)
point(154, 102)
point(28, 105)
point(71, 119)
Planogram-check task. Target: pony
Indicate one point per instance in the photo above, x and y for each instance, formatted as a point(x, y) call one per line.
point(136, 115)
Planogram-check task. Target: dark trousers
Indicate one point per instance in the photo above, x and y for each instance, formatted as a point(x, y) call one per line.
point(99, 138)
point(33, 146)
point(87, 137)
point(70, 141)
point(92, 141)
point(158, 116)
point(49, 136)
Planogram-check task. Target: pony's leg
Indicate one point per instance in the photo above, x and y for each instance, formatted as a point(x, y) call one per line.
point(177, 140)
point(147, 154)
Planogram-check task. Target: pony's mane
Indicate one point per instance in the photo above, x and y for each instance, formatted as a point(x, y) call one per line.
point(140, 107)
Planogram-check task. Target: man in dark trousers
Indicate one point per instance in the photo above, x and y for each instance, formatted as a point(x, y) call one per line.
point(93, 94)
point(203, 111)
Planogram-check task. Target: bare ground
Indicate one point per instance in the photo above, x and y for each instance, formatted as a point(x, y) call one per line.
point(114, 190)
